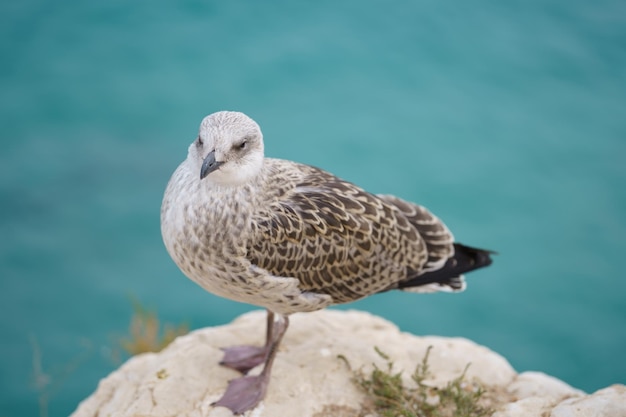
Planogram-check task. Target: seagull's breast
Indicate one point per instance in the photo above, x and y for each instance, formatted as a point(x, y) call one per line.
point(205, 230)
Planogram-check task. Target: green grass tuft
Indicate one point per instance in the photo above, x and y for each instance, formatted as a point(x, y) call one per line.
point(388, 396)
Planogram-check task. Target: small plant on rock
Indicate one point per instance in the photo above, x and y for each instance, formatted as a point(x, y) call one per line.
point(388, 395)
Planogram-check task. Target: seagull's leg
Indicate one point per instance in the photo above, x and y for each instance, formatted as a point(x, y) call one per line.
point(246, 392)
point(244, 358)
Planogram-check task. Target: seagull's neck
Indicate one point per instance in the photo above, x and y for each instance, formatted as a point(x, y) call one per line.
point(235, 176)
point(224, 186)
point(227, 194)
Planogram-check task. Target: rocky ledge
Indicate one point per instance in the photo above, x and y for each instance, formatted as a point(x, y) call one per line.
point(310, 378)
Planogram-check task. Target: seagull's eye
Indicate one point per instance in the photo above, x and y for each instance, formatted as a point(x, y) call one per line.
point(242, 145)
point(199, 141)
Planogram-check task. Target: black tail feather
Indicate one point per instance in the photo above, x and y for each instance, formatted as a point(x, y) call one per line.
point(465, 259)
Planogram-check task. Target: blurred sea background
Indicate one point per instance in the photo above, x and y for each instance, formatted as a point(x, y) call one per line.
point(507, 119)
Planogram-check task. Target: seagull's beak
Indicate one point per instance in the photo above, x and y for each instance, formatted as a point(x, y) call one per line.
point(209, 165)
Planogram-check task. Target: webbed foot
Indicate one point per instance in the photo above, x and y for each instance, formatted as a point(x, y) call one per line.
point(244, 393)
point(243, 358)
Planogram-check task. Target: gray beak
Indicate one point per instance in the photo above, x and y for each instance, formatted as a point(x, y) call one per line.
point(209, 165)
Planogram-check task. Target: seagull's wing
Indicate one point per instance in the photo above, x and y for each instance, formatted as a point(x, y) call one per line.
point(331, 235)
point(439, 240)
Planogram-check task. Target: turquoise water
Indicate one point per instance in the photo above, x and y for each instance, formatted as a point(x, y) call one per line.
point(508, 119)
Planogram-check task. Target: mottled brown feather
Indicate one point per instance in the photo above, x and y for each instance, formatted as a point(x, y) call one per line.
point(333, 236)
point(439, 240)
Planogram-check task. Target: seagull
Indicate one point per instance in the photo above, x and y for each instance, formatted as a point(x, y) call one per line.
point(292, 238)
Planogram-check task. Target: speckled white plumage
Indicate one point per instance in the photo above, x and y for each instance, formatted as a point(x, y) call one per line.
point(286, 236)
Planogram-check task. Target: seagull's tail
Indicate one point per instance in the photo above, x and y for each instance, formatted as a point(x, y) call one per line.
point(450, 276)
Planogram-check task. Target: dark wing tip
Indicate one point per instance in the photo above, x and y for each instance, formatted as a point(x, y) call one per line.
point(465, 259)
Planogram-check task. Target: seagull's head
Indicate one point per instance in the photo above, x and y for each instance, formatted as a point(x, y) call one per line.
point(228, 149)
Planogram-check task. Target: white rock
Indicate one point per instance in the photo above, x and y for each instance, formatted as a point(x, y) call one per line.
point(308, 378)
point(531, 406)
point(538, 384)
point(607, 402)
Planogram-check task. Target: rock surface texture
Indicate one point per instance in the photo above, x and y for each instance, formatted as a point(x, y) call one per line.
point(310, 380)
